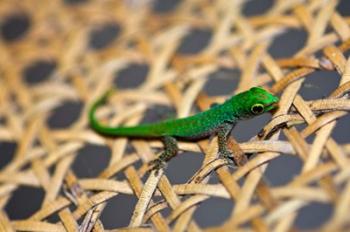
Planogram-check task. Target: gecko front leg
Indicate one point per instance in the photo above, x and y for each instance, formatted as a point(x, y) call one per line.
point(171, 149)
point(223, 133)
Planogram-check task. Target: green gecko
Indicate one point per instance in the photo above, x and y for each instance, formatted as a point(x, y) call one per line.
point(219, 119)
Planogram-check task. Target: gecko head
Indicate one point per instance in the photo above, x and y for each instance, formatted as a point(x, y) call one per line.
point(256, 101)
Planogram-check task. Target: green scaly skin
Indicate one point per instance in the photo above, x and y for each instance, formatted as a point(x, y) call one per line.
point(220, 120)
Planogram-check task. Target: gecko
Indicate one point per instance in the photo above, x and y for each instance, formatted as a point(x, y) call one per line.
point(218, 120)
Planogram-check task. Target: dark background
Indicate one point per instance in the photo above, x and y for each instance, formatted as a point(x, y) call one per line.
point(92, 159)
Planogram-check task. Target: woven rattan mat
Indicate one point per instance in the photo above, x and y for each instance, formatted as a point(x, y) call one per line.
point(54, 52)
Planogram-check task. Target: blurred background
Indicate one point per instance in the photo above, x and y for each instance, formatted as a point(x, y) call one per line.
point(38, 67)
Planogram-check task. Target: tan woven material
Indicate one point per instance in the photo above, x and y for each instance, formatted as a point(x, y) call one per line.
point(61, 32)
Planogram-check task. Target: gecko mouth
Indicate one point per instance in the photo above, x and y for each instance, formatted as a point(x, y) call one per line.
point(271, 106)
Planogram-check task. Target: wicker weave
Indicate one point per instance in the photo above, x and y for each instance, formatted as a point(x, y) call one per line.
point(61, 32)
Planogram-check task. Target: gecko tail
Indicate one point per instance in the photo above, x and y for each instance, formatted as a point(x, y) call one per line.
point(145, 130)
point(105, 96)
point(94, 123)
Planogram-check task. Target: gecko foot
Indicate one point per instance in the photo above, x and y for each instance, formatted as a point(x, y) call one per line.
point(169, 152)
point(156, 165)
point(226, 155)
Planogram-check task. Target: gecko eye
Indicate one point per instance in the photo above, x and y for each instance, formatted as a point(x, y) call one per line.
point(257, 108)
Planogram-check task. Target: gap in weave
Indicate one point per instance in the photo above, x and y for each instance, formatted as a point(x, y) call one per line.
point(347, 54)
point(337, 44)
point(118, 211)
point(75, 2)
point(7, 152)
point(343, 7)
point(91, 160)
point(213, 179)
point(341, 131)
point(289, 165)
point(256, 7)
point(64, 115)
point(166, 212)
point(3, 120)
point(222, 82)
point(318, 54)
point(313, 215)
point(51, 170)
point(195, 41)
point(243, 131)
point(165, 6)
point(295, 38)
point(329, 30)
point(129, 148)
point(27, 166)
point(24, 202)
point(183, 166)
point(53, 218)
point(81, 219)
point(319, 85)
point(132, 76)
point(121, 177)
point(137, 165)
point(102, 36)
point(157, 112)
point(38, 71)
point(213, 212)
point(241, 181)
point(15, 26)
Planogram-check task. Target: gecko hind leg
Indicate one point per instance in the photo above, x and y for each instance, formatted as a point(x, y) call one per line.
point(171, 149)
point(223, 133)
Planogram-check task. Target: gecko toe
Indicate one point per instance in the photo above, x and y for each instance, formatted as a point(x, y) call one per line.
point(156, 165)
point(228, 157)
